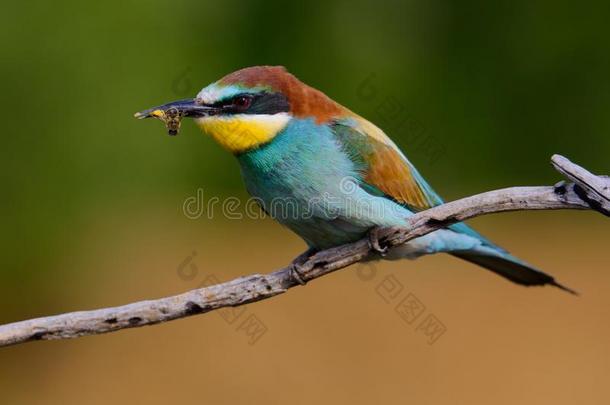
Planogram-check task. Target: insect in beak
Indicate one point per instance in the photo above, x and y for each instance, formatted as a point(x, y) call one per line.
point(172, 113)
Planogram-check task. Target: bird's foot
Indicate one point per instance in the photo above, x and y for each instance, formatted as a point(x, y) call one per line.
point(374, 242)
point(297, 274)
point(296, 267)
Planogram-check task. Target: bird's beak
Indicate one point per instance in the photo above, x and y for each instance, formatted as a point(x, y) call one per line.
point(172, 113)
point(186, 108)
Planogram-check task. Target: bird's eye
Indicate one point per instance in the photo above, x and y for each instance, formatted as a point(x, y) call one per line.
point(241, 102)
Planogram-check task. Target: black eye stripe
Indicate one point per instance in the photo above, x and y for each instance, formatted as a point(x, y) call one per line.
point(261, 103)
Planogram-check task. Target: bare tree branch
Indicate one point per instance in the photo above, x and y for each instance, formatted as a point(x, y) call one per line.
point(587, 191)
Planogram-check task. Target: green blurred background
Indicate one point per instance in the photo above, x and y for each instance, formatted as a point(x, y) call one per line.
point(92, 199)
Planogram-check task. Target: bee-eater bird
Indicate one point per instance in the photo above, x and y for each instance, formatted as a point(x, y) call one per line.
point(326, 173)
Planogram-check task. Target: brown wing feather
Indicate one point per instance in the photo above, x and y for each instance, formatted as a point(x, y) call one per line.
point(390, 174)
point(385, 167)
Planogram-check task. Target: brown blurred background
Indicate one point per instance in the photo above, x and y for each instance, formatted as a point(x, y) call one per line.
point(92, 202)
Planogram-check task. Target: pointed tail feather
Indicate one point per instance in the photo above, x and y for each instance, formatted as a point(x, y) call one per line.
point(511, 268)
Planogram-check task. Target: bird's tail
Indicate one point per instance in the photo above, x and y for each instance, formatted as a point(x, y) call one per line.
point(496, 259)
point(511, 268)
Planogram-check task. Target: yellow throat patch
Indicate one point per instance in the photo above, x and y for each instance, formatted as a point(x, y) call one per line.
point(241, 132)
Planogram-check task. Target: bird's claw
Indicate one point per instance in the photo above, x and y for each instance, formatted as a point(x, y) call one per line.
point(297, 274)
point(374, 242)
point(296, 267)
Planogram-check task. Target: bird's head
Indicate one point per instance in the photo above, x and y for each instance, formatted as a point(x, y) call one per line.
point(249, 107)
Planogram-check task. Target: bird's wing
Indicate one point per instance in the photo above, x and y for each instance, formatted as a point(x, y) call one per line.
point(385, 169)
point(387, 172)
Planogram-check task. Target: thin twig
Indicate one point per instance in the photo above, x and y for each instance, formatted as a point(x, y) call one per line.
point(588, 191)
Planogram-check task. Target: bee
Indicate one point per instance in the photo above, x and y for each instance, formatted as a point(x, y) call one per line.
point(172, 117)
